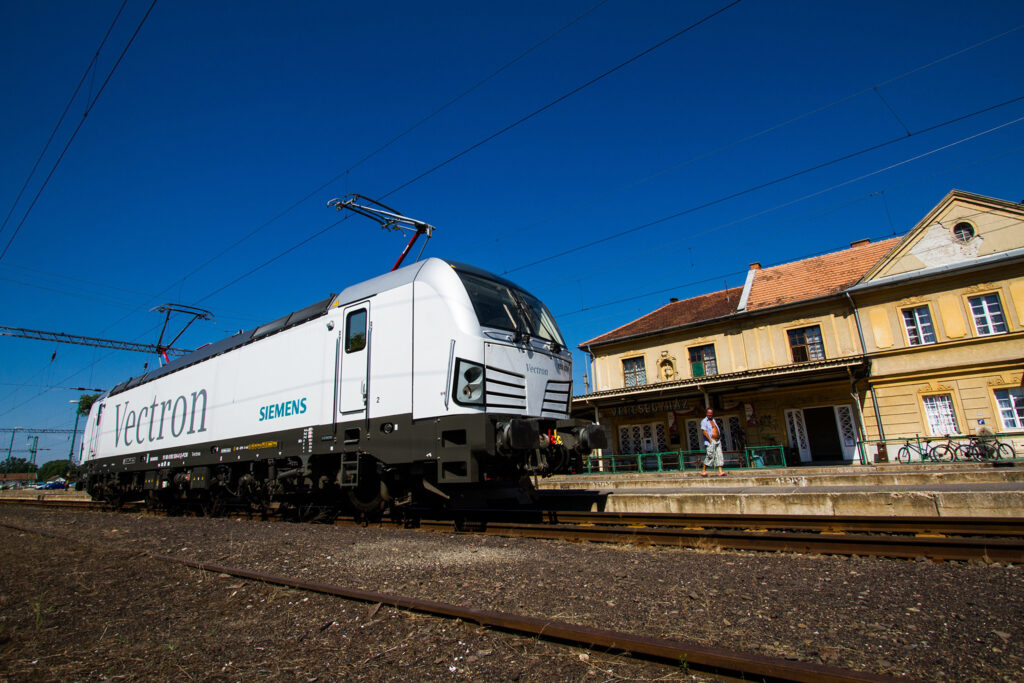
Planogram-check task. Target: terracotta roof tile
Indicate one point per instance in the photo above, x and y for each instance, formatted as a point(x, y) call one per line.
point(815, 277)
point(786, 283)
point(677, 314)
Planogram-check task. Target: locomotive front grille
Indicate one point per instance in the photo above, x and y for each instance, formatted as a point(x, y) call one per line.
point(504, 389)
point(556, 398)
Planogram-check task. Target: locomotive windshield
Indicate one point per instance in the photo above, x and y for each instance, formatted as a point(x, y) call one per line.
point(509, 308)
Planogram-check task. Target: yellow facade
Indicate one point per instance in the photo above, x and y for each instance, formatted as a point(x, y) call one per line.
point(962, 270)
point(760, 343)
point(927, 339)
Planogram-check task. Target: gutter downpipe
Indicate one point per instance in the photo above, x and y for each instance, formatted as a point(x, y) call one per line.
point(593, 380)
point(597, 410)
point(864, 350)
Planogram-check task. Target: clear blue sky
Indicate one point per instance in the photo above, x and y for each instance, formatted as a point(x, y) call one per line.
point(221, 116)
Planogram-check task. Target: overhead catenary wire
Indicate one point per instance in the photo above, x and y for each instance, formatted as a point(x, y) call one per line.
point(776, 181)
point(60, 120)
point(632, 59)
point(788, 223)
point(71, 139)
point(753, 136)
point(562, 98)
point(381, 148)
point(510, 63)
point(479, 143)
point(789, 260)
point(407, 183)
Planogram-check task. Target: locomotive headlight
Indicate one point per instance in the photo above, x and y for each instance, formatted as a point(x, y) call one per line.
point(469, 383)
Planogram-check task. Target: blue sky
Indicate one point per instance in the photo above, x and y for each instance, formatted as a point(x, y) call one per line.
point(222, 116)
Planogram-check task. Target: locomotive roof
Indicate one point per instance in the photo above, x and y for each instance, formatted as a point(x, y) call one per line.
point(356, 292)
point(239, 339)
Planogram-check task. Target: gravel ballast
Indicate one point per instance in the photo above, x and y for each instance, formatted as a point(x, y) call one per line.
point(99, 607)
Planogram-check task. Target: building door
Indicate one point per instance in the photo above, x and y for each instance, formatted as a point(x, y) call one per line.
point(823, 434)
point(798, 433)
point(643, 438)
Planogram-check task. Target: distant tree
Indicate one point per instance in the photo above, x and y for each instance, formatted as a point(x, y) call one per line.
point(85, 402)
point(15, 465)
point(54, 468)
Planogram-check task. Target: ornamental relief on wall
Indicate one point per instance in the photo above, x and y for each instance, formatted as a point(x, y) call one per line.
point(667, 367)
point(933, 387)
point(981, 287)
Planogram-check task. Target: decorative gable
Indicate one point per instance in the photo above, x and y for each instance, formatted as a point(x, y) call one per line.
point(962, 228)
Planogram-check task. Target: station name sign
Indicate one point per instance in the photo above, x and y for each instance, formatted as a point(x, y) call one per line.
point(656, 408)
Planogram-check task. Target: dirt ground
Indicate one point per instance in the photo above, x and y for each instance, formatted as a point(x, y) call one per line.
point(99, 608)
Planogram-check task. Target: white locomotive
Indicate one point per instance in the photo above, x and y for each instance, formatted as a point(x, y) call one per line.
point(435, 383)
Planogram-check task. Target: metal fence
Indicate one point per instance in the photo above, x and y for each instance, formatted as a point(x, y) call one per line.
point(949, 448)
point(680, 461)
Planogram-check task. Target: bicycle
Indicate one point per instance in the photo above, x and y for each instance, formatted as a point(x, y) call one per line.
point(926, 452)
point(950, 450)
point(989, 448)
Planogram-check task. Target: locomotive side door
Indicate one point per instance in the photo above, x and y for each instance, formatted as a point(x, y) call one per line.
point(94, 436)
point(355, 361)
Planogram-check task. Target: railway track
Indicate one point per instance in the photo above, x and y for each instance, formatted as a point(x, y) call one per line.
point(878, 545)
point(936, 538)
point(729, 664)
point(947, 526)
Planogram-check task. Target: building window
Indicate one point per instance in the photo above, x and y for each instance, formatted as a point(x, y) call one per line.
point(634, 371)
point(941, 416)
point(963, 232)
point(988, 314)
point(806, 344)
point(702, 361)
point(1011, 407)
point(919, 326)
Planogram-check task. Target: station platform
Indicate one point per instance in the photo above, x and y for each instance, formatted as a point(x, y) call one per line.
point(933, 489)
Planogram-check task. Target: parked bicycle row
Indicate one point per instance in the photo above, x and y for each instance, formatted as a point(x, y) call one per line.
point(956, 448)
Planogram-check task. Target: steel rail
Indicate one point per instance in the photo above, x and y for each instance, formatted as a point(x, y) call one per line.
point(710, 659)
point(57, 504)
point(974, 526)
point(905, 547)
point(965, 526)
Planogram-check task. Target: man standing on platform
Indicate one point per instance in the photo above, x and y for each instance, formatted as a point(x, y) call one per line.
point(713, 444)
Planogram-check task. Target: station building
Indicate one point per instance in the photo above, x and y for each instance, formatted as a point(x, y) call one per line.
point(919, 335)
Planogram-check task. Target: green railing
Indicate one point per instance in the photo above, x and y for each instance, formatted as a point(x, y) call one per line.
point(680, 461)
point(766, 456)
point(887, 450)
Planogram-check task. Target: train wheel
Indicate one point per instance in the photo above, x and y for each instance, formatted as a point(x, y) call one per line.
point(369, 499)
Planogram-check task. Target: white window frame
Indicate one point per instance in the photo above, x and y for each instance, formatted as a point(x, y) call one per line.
point(1010, 404)
point(940, 414)
point(638, 374)
point(987, 313)
point(918, 323)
